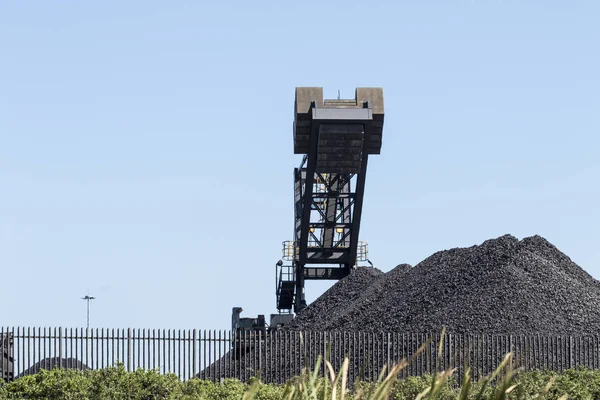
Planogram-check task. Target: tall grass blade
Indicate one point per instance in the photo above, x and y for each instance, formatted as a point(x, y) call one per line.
point(488, 380)
point(251, 391)
point(385, 387)
point(345, 367)
point(465, 387)
point(333, 381)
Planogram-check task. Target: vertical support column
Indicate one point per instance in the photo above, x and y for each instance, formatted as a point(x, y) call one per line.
point(311, 165)
point(298, 197)
point(299, 299)
point(358, 203)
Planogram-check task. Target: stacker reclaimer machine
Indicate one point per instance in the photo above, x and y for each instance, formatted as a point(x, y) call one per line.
point(336, 138)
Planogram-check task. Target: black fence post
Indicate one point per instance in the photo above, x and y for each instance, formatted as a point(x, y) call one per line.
point(60, 347)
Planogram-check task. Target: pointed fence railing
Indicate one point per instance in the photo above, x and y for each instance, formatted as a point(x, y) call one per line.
point(277, 356)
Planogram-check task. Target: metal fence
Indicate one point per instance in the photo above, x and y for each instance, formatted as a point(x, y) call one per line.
point(280, 355)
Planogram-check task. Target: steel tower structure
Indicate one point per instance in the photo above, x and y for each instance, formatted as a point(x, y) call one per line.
point(336, 137)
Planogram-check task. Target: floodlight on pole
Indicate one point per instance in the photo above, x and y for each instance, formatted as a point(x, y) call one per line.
point(88, 298)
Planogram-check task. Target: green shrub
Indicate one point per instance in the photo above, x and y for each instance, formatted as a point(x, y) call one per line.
point(49, 385)
point(116, 383)
point(230, 389)
point(409, 388)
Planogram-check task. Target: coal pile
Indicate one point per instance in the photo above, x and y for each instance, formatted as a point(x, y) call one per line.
point(55, 362)
point(503, 286)
point(336, 300)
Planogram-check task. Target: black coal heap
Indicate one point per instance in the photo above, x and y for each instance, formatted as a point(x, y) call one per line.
point(503, 286)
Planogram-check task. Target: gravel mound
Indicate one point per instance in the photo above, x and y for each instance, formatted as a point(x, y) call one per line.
point(503, 286)
point(336, 299)
point(54, 362)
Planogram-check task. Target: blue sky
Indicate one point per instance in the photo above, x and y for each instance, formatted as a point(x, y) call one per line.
point(146, 147)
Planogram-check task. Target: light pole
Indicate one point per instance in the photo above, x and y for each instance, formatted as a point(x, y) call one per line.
point(88, 298)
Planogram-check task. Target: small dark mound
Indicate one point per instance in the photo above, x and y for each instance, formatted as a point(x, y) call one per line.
point(503, 286)
point(54, 362)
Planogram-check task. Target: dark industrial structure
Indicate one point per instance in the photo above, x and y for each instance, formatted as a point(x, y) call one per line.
point(6, 356)
point(336, 137)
